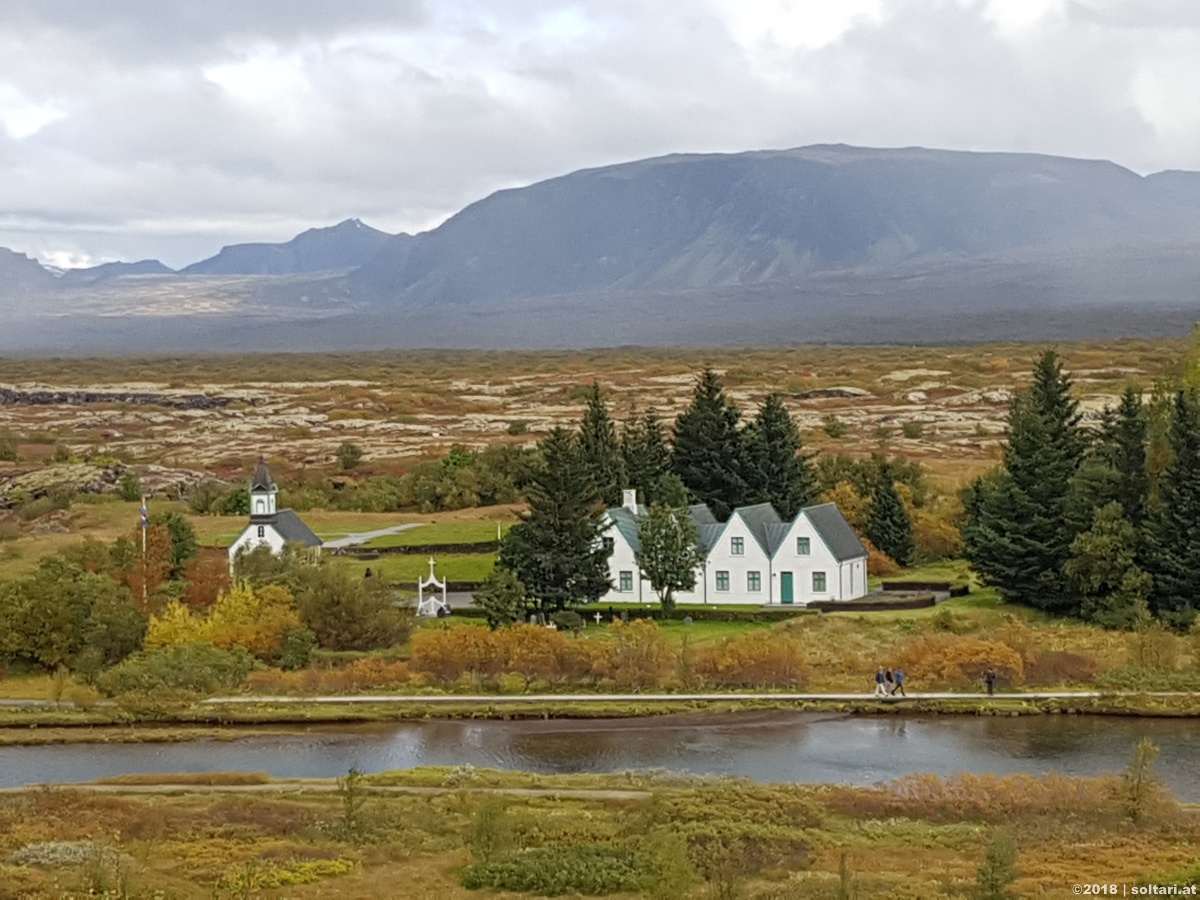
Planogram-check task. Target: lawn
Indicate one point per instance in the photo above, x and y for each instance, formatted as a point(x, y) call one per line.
point(443, 533)
point(405, 570)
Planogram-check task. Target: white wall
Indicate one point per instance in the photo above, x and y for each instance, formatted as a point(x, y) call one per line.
point(249, 539)
point(843, 580)
point(622, 559)
point(722, 559)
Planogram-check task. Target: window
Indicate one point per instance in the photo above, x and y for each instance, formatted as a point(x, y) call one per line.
point(754, 582)
point(818, 582)
point(260, 505)
point(722, 581)
point(262, 532)
point(626, 580)
point(803, 547)
point(608, 545)
point(737, 546)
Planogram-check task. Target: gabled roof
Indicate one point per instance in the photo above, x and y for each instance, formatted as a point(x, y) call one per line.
point(626, 524)
point(835, 531)
point(775, 536)
point(710, 533)
point(262, 480)
point(702, 515)
point(759, 518)
point(293, 530)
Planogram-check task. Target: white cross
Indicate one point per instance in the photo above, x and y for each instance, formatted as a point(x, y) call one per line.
point(431, 575)
point(597, 617)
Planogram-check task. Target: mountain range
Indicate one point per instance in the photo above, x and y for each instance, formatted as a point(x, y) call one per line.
point(821, 243)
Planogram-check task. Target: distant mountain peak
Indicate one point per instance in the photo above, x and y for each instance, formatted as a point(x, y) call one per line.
point(346, 245)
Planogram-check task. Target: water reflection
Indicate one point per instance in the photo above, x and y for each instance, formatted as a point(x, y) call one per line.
point(773, 746)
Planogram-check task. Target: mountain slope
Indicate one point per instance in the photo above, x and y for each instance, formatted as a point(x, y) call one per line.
point(21, 276)
point(343, 246)
point(708, 221)
point(105, 271)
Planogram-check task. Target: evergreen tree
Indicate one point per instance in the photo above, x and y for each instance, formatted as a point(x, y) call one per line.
point(1115, 466)
point(889, 527)
point(600, 449)
point(1173, 535)
point(775, 470)
point(556, 550)
point(501, 597)
point(670, 552)
point(1017, 531)
point(1111, 587)
point(646, 455)
point(708, 447)
point(994, 879)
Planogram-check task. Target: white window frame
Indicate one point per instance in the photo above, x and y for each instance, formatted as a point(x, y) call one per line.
point(722, 578)
point(737, 546)
point(754, 581)
point(803, 546)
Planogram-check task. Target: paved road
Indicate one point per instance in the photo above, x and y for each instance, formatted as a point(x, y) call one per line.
point(492, 699)
point(363, 537)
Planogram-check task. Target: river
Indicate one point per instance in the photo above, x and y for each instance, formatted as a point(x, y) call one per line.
point(765, 746)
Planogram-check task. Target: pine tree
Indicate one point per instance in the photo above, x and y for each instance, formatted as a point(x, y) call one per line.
point(556, 550)
point(775, 470)
point(1173, 535)
point(1115, 466)
point(708, 447)
point(1017, 533)
point(889, 526)
point(600, 449)
point(669, 554)
point(993, 880)
point(646, 454)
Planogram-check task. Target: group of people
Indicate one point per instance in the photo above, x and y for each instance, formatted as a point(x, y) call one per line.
point(889, 682)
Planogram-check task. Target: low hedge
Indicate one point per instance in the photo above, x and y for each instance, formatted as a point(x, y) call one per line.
point(697, 614)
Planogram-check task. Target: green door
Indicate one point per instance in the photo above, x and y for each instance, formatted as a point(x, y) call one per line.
point(785, 587)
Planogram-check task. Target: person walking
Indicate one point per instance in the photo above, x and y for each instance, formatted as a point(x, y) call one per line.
point(898, 675)
point(989, 678)
point(889, 681)
point(880, 690)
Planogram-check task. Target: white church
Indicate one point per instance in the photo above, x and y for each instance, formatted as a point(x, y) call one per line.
point(755, 557)
point(269, 525)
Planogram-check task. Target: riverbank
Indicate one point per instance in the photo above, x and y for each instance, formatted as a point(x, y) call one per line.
point(446, 832)
point(232, 717)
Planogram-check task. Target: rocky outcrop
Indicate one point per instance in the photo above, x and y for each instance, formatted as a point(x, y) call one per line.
point(73, 397)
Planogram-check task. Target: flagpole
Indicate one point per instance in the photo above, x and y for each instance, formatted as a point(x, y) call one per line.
point(145, 527)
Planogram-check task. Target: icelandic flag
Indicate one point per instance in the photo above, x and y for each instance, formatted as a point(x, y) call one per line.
point(145, 516)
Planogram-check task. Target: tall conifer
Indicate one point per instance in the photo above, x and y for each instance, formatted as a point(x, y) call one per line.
point(708, 447)
point(556, 550)
point(1018, 534)
point(646, 454)
point(600, 449)
point(775, 470)
point(889, 526)
point(1173, 535)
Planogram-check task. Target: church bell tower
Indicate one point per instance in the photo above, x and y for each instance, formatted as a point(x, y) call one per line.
point(262, 491)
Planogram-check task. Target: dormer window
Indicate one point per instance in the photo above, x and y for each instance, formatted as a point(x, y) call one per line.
point(737, 546)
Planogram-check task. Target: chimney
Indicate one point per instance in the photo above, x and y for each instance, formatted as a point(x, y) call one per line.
point(629, 500)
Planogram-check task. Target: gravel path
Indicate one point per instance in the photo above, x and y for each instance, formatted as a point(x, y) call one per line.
point(364, 537)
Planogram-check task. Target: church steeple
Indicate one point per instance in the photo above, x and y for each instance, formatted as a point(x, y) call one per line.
point(262, 491)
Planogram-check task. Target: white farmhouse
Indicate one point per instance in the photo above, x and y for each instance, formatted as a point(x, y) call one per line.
point(754, 558)
point(268, 525)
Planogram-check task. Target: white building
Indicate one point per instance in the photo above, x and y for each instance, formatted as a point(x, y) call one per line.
point(754, 558)
point(269, 525)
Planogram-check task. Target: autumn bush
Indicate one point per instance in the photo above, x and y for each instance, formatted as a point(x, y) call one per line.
point(950, 660)
point(360, 675)
point(198, 667)
point(1059, 667)
point(256, 619)
point(986, 798)
point(753, 660)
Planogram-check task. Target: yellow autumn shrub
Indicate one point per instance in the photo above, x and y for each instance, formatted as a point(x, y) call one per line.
point(256, 619)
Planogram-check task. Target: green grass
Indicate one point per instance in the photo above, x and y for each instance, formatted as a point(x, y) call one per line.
point(442, 533)
point(451, 566)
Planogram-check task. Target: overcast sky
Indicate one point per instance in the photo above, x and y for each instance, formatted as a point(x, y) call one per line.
point(167, 128)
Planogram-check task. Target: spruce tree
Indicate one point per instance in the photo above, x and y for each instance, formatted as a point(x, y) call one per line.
point(646, 455)
point(708, 447)
point(556, 550)
point(775, 470)
point(1173, 535)
point(1017, 533)
point(1114, 469)
point(600, 449)
point(889, 526)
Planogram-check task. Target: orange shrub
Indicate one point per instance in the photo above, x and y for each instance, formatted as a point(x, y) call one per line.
point(445, 654)
point(878, 562)
point(951, 660)
point(988, 798)
point(638, 655)
point(532, 651)
point(1059, 666)
point(362, 674)
point(753, 660)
